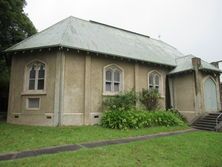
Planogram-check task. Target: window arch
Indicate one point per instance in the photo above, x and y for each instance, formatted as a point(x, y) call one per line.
point(155, 81)
point(35, 76)
point(113, 79)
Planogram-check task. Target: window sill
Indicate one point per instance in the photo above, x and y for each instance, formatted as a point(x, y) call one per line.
point(33, 93)
point(110, 93)
point(32, 109)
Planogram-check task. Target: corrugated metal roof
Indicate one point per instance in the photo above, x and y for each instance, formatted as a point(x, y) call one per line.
point(92, 36)
point(185, 64)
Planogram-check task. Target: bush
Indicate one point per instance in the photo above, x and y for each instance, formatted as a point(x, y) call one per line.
point(121, 102)
point(150, 99)
point(178, 114)
point(134, 119)
point(122, 113)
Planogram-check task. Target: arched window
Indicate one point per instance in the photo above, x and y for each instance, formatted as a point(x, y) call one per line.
point(112, 79)
point(36, 76)
point(154, 81)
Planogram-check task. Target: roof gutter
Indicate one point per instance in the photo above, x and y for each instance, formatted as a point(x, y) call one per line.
point(86, 50)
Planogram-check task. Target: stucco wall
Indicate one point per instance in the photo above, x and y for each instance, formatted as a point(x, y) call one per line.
point(98, 64)
point(190, 103)
point(73, 89)
point(77, 91)
point(18, 95)
point(184, 92)
point(143, 71)
point(220, 96)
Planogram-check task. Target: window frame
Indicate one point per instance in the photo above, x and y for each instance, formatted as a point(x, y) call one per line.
point(155, 73)
point(113, 68)
point(27, 70)
point(27, 103)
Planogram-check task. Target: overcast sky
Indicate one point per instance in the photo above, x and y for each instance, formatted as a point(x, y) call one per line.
point(192, 26)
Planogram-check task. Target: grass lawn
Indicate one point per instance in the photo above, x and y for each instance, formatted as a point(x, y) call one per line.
point(196, 149)
point(18, 137)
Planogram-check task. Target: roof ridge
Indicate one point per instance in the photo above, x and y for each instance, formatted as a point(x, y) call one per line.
point(184, 56)
point(118, 28)
point(73, 17)
point(37, 33)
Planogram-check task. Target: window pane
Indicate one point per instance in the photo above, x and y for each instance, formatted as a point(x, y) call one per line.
point(108, 86)
point(31, 84)
point(157, 80)
point(42, 71)
point(117, 76)
point(151, 79)
point(32, 73)
point(108, 75)
point(116, 87)
point(40, 84)
point(33, 103)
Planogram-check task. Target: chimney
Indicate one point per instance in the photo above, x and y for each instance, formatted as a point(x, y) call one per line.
point(196, 62)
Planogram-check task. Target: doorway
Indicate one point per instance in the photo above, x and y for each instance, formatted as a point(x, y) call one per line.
point(210, 95)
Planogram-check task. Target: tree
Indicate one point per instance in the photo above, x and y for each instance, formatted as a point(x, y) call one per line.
point(14, 23)
point(14, 27)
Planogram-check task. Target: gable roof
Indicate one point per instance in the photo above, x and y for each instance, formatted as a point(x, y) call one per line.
point(185, 64)
point(96, 37)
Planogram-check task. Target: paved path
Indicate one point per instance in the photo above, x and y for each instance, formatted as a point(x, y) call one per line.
point(76, 147)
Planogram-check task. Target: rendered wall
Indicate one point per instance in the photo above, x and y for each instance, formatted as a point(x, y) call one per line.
point(74, 87)
point(83, 85)
point(18, 97)
point(183, 94)
point(74, 73)
point(142, 78)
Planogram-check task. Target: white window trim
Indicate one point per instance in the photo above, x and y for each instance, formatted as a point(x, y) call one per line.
point(33, 109)
point(160, 82)
point(26, 79)
point(108, 93)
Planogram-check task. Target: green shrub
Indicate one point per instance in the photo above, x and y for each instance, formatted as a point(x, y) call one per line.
point(121, 102)
point(178, 114)
point(134, 119)
point(121, 112)
point(149, 98)
point(163, 118)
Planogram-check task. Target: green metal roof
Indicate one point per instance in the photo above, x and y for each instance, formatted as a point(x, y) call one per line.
point(96, 37)
point(185, 64)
